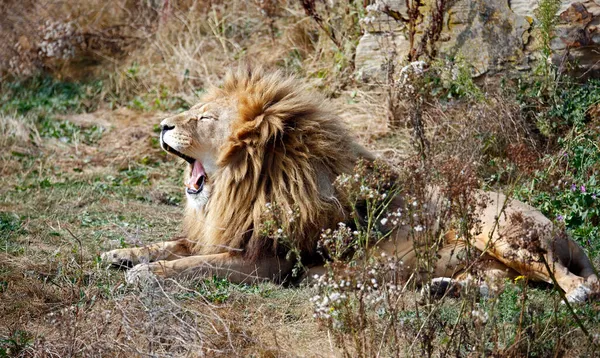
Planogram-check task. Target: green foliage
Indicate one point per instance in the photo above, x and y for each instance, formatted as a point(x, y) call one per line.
point(571, 103)
point(567, 190)
point(556, 111)
point(219, 290)
point(456, 80)
point(132, 177)
point(546, 14)
point(567, 187)
point(67, 132)
point(42, 95)
point(14, 344)
point(158, 100)
point(519, 311)
point(216, 290)
point(11, 226)
point(445, 80)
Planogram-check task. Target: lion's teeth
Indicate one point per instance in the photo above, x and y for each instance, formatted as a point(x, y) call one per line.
point(195, 187)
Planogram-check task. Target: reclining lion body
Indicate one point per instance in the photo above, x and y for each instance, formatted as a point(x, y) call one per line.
point(262, 139)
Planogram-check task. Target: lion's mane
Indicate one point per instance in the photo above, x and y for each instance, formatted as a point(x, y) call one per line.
point(284, 147)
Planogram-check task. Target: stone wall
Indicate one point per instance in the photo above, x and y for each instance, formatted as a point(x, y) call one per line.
point(490, 35)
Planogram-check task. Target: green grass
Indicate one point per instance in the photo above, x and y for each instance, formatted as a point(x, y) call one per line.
point(218, 290)
point(45, 95)
point(68, 132)
point(11, 227)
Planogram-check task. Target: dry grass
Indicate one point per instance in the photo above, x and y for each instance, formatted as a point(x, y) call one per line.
point(175, 48)
point(71, 202)
point(172, 320)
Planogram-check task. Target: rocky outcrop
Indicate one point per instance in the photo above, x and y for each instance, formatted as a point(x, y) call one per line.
point(490, 35)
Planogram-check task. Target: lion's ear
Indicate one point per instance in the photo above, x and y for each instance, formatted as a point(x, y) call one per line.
point(247, 131)
point(234, 156)
point(245, 136)
point(250, 108)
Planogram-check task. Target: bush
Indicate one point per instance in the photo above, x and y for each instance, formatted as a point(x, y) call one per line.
point(566, 188)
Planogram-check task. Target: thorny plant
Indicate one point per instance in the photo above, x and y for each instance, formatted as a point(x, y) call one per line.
point(410, 86)
point(360, 281)
point(363, 296)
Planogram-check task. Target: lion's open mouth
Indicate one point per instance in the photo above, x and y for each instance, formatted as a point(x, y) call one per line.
point(195, 183)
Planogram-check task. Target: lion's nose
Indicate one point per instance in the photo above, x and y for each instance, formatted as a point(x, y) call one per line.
point(166, 127)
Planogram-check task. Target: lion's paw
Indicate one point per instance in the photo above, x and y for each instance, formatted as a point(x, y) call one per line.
point(440, 287)
point(141, 274)
point(121, 258)
point(579, 295)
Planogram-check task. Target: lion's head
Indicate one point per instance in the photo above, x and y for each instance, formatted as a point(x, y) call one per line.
point(260, 138)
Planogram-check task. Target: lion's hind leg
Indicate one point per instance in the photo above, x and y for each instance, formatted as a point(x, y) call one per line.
point(573, 257)
point(129, 257)
point(523, 239)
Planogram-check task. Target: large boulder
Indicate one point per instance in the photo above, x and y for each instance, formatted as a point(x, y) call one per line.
point(490, 35)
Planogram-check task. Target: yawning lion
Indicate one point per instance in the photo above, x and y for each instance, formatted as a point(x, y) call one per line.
point(264, 138)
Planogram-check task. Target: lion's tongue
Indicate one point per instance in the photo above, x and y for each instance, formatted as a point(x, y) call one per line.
point(197, 173)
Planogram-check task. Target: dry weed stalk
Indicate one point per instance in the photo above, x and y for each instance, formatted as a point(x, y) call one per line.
point(310, 8)
point(415, 23)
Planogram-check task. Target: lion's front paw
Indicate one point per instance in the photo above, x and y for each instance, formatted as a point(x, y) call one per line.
point(122, 258)
point(119, 258)
point(143, 274)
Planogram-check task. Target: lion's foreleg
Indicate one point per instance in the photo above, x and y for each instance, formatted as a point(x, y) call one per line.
point(234, 268)
point(167, 250)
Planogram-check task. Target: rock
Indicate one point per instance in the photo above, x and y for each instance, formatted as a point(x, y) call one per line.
point(374, 51)
point(492, 36)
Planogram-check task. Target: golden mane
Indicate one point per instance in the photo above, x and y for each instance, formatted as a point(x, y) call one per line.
point(284, 147)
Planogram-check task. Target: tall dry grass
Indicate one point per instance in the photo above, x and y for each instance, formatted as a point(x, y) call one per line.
point(173, 48)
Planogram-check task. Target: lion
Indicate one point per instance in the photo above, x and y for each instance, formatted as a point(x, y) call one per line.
point(264, 138)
